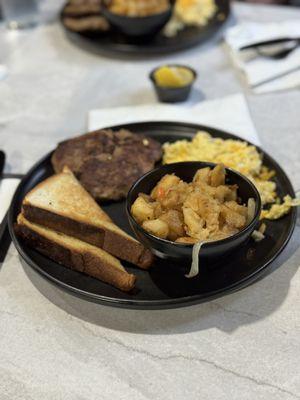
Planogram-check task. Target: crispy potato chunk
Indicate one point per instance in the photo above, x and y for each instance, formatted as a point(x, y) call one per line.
point(187, 240)
point(224, 193)
point(242, 210)
point(174, 219)
point(175, 196)
point(194, 225)
point(202, 176)
point(164, 185)
point(157, 227)
point(232, 218)
point(217, 175)
point(141, 210)
point(157, 208)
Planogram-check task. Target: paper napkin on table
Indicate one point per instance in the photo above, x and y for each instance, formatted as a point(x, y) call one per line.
point(7, 190)
point(229, 113)
point(264, 74)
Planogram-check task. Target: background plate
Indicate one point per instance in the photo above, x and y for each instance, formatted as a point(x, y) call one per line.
point(164, 286)
point(115, 43)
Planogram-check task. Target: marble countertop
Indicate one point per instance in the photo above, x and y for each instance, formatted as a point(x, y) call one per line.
point(55, 346)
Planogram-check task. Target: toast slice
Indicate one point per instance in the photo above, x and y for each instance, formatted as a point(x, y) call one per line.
point(62, 204)
point(75, 254)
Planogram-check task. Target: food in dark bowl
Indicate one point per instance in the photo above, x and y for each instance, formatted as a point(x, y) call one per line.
point(188, 203)
point(138, 18)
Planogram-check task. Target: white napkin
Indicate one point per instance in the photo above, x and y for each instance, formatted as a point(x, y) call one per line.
point(230, 113)
point(7, 190)
point(263, 74)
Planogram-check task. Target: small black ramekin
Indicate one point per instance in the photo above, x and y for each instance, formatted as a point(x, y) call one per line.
point(168, 94)
point(179, 251)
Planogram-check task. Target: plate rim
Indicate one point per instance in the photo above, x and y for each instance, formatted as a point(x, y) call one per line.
point(150, 304)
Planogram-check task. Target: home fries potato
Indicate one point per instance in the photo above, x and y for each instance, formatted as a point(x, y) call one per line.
point(205, 209)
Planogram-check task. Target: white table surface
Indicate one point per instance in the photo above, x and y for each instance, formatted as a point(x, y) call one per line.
point(55, 346)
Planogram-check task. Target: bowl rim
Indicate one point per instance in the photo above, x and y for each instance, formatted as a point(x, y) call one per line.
point(104, 6)
point(151, 76)
point(249, 226)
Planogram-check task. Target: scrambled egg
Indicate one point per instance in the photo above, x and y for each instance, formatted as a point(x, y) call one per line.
point(195, 12)
point(234, 154)
point(191, 13)
point(278, 210)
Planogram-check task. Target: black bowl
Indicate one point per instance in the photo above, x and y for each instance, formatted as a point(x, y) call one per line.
point(168, 94)
point(178, 251)
point(137, 27)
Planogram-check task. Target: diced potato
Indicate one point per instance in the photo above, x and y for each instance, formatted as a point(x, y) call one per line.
point(164, 185)
point(175, 196)
point(232, 195)
point(242, 210)
point(192, 201)
point(157, 227)
point(146, 197)
point(202, 175)
point(171, 200)
point(232, 218)
point(212, 221)
point(205, 189)
point(174, 219)
point(157, 209)
point(217, 175)
point(194, 224)
point(223, 193)
point(223, 233)
point(141, 210)
point(187, 240)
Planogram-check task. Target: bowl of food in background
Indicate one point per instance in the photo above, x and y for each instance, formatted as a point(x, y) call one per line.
point(138, 18)
point(173, 83)
point(177, 208)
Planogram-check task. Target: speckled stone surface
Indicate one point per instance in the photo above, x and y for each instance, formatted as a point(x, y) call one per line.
point(53, 346)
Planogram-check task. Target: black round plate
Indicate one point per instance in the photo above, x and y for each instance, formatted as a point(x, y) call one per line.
point(164, 285)
point(116, 43)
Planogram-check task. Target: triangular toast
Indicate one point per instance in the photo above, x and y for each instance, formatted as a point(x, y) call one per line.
point(62, 204)
point(75, 254)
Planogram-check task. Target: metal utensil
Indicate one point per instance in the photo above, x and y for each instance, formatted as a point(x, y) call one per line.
point(274, 49)
point(268, 43)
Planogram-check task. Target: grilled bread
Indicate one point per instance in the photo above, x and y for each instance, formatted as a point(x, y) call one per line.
point(75, 254)
point(62, 204)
